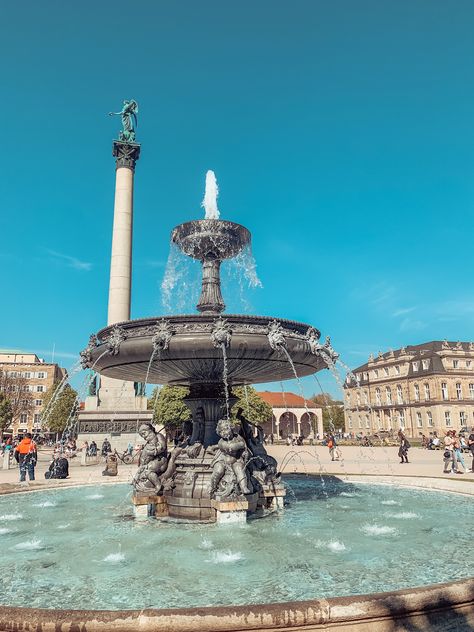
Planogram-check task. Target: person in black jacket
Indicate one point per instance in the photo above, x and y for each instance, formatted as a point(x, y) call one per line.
point(58, 468)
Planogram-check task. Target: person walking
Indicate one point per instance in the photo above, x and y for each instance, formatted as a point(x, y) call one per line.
point(470, 443)
point(26, 455)
point(458, 453)
point(404, 447)
point(106, 448)
point(448, 455)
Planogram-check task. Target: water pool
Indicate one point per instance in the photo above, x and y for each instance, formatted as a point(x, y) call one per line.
point(81, 548)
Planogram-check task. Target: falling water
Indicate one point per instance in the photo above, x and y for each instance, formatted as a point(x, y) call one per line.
point(181, 282)
point(300, 386)
point(246, 391)
point(76, 367)
point(209, 202)
point(226, 380)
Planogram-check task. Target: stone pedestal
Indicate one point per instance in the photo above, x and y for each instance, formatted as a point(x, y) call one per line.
point(6, 460)
point(148, 505)
point(272, 496)
point(231, 511)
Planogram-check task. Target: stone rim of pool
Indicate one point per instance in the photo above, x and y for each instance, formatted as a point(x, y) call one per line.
point(433, 607)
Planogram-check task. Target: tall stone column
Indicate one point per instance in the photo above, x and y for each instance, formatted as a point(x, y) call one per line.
point(117, 395)
point(126, 155)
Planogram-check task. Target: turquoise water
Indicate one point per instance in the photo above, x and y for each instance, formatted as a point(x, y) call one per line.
point(81, 548)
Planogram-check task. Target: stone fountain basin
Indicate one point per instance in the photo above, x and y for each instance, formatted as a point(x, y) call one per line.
point(215, 238)
point(192, 358)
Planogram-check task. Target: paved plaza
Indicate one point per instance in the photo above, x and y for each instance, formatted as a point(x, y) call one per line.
point(381, 462)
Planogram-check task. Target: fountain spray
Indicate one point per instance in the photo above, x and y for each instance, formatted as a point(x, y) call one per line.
point(209, 202)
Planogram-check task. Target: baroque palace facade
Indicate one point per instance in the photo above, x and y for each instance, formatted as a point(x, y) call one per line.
point(32, 377)
point(420, 388)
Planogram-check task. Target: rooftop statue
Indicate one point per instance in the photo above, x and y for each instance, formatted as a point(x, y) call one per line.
point(129, 120)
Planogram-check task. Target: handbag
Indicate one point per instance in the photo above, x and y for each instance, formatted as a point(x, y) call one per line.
point(447, 454)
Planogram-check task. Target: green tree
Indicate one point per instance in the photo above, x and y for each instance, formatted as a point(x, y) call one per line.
point(63, 409)
point(6, 414)
point(168, 407)
point(253, 406)
point(333, 411)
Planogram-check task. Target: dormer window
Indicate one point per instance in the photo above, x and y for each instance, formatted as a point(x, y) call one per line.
point(397, 370)
point(455, 364)
point(425, 364)
point(386, 371)
point(415, 365)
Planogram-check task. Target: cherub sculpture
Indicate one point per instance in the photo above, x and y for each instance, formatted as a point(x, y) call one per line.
point(229, 476)
point(153, 460)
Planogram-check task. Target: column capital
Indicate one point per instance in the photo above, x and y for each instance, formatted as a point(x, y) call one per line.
point(126, 154)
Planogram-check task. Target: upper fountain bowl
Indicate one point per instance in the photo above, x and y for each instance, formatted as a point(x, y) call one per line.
point(210, 239)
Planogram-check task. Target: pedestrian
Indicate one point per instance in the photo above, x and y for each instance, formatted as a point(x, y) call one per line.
point(111, 466)
point(332, 446)
point(448, 454)
point(470, 443)
point(58, 468)
point(404, 447)
point(92, 448)
point(458, 453)
point(106, 447)
point(26, 456)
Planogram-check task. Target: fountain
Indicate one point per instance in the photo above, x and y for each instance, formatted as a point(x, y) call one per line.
point(216, 474)
point(302, 569)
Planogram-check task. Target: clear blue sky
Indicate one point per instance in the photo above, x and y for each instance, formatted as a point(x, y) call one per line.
point(341, 133)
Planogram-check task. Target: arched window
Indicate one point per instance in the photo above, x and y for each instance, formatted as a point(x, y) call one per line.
point(417, 392)
point(388, 394)
point(399, 394)
point(378, 399)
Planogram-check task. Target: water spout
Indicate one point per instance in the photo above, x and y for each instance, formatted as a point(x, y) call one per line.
point(209, 202)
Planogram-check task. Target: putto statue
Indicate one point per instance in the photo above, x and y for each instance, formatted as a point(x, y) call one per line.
point(153, 460)
point(129, 120)
point(229, 476)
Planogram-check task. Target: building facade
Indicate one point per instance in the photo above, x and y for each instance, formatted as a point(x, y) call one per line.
point(292, 415)
point(32, 377)
point(421, 389)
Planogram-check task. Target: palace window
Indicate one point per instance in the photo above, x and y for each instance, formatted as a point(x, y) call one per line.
point(458, 390)
point(471, 390)
point(376, 373)
point(388, 395)
point(427, 391)
point(426, 364)
point(366, 399)
point(349, 423)
point(447, 418)
point(429, 416)
point(419, 420)
point(462, 418)
point(378, 399)
point(23, 418)
point(40, 388)
point(468, 364)
point(444, 390)
point(397, 370)
point(455, 364)
point(402, 418)
point(358, 398)
point(37, 418)
point(386, 371)
point(415, 365)
point(360, 422)
point(41, 375)
point(367, 422)
point(399, 394)
point(417, 392)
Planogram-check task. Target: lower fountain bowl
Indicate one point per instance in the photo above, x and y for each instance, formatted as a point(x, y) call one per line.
point(191, 357)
